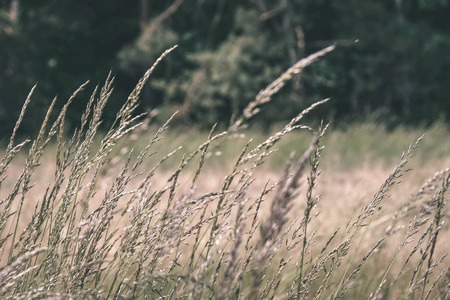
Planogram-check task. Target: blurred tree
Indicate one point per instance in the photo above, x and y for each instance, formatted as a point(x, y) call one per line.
point(392, 72)
point(60, 44)
point(13, 75)
point(396, 72)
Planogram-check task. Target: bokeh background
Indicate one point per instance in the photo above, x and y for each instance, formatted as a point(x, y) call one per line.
point(390, 65)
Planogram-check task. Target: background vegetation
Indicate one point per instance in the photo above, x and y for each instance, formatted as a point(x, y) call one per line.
point(390, 63)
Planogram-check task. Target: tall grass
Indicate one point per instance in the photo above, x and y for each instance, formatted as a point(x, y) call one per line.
point(105, 227)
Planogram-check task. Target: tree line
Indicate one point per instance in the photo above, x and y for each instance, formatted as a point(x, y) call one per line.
point(390, 64)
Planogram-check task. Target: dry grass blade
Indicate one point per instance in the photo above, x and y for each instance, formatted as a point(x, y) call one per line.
point(365, 217)
point(20, 119)
point(16, 266)
point(265, 95)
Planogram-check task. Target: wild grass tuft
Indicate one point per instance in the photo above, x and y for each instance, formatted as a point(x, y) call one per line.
point(112, 223)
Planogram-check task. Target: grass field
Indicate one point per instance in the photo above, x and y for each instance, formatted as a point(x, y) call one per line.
point(144, 212)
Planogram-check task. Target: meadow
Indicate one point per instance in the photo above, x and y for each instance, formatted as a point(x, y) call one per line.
point(147, 212)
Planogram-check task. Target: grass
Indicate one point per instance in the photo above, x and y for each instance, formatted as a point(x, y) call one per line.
point(128, 214)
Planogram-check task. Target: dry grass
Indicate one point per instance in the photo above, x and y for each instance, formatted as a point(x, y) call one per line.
point(128, 214)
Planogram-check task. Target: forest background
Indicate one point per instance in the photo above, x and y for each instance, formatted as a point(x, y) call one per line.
point(390, 65)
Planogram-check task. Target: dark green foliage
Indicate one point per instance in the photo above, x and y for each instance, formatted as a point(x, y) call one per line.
point(229, 50)
point(59, 44)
